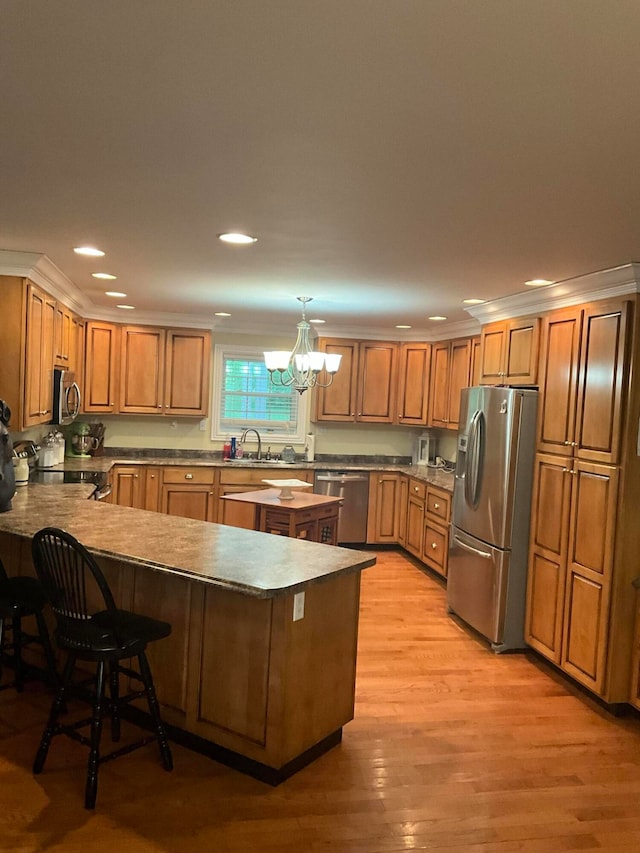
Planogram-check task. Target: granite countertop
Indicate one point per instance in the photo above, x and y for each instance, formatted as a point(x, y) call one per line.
point(245, 561)
point(436, 476)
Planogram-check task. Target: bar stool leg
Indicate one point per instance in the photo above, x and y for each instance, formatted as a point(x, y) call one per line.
point(154, 710)
point(56, 707)
point(17, 653)
point(114, 690)
point(91, 789)
point(48, 648)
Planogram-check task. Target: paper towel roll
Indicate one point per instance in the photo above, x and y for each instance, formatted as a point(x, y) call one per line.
point(309, 447)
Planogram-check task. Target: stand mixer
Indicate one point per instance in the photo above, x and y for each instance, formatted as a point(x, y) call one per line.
point(81, 440)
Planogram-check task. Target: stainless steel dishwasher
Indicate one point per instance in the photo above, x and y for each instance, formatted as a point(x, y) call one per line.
point(353, 488)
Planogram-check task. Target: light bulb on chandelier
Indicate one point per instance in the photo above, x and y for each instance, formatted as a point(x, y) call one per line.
point(302, 366)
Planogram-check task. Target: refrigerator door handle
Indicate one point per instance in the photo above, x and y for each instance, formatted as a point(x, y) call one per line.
point(485, 554)
point(475, 454)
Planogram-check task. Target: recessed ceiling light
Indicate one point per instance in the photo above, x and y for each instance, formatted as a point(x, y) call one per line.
point(90, 251)
point(126, 307)
point(317, 321)
point(473, 301)
point(222, 314)
point(402, 326)
point(537, 282)
point(104, 275)
point(437, 317)
point(237, 237)
point(115, 293)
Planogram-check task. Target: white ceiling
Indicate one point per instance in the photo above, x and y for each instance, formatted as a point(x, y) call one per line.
point(391, 156)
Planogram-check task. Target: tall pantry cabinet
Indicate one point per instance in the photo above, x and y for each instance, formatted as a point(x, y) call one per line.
point(584, 541)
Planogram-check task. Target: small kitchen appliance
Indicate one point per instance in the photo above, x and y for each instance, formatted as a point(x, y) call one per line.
point(426, 449)
point(81, 440)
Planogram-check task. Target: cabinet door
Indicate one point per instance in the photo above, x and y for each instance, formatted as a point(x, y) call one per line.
point(62, 335)
point(413, 384)
point(459, 375)
point(39, 357)
point(435, 547)
point(476, 361)
point(187, 501)
point(141, 370)
point(76, 349)
point(493, 340)
point(601, 381)
point(376, 382)
point(101, 360)
point(337, 402)
point(382, 521)
point(186, 382)
point(415, 526)
point(439, 384)
point(559, 355)
point(152, 480)
point(548, 545)
point(403, 496)
point(128, 482)
point(590, 561)
point(521, 346)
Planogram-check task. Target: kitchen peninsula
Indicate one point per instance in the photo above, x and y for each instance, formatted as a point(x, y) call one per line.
point(259, 670)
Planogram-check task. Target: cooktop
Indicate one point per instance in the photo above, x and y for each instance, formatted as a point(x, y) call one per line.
point(46, 475)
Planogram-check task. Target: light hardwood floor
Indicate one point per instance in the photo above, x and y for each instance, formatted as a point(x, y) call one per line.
point(452, 749)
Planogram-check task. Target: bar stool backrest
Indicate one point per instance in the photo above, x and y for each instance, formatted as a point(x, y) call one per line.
point(75, 586)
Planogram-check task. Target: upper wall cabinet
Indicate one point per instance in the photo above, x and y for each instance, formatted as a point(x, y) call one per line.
point(509, 352)
point(414, 368)
point(582, 368)
point(101, 362)
point(26, 381)
point(164, 371)
point(146, 370)
point(450, 373)
point(364, 388)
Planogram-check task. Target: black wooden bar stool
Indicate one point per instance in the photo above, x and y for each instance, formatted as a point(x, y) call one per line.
point(20, 598)
point(103, 635)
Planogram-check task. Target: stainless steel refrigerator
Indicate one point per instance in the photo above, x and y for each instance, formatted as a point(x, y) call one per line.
point(487, 576)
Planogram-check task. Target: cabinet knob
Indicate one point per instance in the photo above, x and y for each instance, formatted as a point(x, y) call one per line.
point(188, 476)
point(416, 489)
point(135, 476)
point(434, 545)
point(153, 476)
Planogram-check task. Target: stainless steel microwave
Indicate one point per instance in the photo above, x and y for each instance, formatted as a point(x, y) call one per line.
point(66, 397)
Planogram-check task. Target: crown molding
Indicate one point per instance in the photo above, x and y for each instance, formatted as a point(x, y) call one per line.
point(41, 270)
point(603, 284)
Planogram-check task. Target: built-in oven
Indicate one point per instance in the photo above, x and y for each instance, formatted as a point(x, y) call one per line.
point(99, 479)
point(66, 397)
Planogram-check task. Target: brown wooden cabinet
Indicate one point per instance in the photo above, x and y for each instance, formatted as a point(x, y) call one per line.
point(450, 373)
point(509, 352)
point(570, 565)
point(364, 388)
point(62, 340)
point(582, 367)
point(435, 544)
point(233, 480)
point(38, 388)
point(164, 371)
point(583, 533)
point(415, 517)
point(101, 365)
point(383, 515)
point(188, 492)
point(403, 500)
point(128, 485)
point(414, 369)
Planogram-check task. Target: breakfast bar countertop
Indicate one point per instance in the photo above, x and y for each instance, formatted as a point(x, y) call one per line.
point(245, 561)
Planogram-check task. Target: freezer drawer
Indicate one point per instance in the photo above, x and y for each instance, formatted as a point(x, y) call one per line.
point(477, 584)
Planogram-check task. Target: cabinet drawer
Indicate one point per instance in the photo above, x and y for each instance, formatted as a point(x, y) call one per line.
point(435, 548)
point(417, 489)
point(438, 504)
point(202, 476)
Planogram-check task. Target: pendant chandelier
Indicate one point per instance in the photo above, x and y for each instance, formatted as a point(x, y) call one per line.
point(302, 366)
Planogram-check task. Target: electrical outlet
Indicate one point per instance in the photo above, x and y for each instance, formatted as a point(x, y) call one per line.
point(173, 425)
point(203, 424)
point(298, 606)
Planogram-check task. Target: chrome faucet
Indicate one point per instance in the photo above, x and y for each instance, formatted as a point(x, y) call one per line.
point(244, 436)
